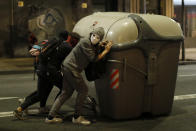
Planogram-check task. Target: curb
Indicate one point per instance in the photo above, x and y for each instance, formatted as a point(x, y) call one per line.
point(16, 72)
point(187, 62)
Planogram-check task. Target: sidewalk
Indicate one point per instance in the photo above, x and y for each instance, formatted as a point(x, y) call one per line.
point(190, 56)
point(25, 65)
point(16, 65)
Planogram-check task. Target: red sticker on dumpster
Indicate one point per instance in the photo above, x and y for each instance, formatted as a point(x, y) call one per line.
point(114, 79)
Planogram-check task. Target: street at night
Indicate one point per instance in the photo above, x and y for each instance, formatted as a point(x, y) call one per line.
point(182, 117)
point(98, 65)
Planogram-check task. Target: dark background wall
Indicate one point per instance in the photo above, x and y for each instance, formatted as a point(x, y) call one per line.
point(18, 47)
point(14, 36)
point(4, 24)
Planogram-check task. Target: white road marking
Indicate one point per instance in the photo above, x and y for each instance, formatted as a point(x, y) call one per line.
point(180, 97)
point(184, 97)
point(7, 98)
point(187, 75)
point(176, 98)
point(6, 114)
point(9, 113)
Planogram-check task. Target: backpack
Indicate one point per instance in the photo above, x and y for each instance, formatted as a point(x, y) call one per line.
point(95, 70)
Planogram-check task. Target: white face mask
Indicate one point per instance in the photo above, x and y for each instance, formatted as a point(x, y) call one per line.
point(95, 39)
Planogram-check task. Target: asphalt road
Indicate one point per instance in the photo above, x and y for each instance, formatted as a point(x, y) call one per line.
point(182, 118)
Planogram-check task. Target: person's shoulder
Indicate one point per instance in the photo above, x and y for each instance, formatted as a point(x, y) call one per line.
point(65, 44)
point(85, 41)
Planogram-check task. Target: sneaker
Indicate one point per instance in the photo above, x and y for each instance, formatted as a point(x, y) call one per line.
point(54, 120)
point(21, 100)
point(81, 120)
point(18, 114)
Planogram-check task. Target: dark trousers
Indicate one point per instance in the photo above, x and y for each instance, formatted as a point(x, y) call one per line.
point(71, 81)
point(44, 86)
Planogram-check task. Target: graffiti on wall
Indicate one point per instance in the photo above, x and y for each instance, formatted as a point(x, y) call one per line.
point(47, 24)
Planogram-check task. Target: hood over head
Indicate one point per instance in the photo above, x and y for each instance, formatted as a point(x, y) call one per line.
point(99, 31)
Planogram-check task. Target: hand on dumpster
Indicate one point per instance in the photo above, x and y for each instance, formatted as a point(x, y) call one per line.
point(103, 43)
point(108, 46)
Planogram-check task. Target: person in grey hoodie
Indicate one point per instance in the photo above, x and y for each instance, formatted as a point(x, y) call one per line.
point(85, 51)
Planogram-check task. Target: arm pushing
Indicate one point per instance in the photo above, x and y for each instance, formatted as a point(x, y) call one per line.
point(105, 51)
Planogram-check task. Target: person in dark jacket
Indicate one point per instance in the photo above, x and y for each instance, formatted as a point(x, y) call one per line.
point(83, 53)
point(51, 55)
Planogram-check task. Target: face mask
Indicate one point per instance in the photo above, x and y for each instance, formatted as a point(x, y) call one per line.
point(95, 39)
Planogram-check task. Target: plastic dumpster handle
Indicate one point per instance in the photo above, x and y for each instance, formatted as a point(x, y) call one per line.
point(124, 62)
point(152, 68)
point(124, 68)
point(149, 33)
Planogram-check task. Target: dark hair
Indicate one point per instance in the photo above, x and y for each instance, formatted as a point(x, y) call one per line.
point(63, 35)
point(75, 35)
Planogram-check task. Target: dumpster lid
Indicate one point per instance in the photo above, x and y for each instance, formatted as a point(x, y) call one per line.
point(163, 25)
point(126, 29)
point(98, 19)
point(117, 25)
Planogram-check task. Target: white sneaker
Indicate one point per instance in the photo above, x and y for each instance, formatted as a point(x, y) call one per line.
point(21, 100)
point(54, 120)
point(81, 120)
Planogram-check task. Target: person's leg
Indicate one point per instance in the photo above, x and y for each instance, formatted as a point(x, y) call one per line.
point(31, 100)
point(77, 82)
point(31, 95)
point(45, 91)
point(58, 82)
point(22, 100)
point(42, 82)
point(66, 93)
point(44, 96)
point(82, 90)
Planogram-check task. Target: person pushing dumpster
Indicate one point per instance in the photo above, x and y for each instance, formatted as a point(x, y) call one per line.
point(51, 55)
point(85, 51)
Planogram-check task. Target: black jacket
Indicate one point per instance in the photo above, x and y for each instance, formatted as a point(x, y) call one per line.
point(51, 57)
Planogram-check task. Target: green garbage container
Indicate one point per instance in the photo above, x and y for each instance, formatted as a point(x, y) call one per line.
point(142, 65)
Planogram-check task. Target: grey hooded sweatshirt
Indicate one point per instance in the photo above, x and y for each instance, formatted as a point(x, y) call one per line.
point(83, 53)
